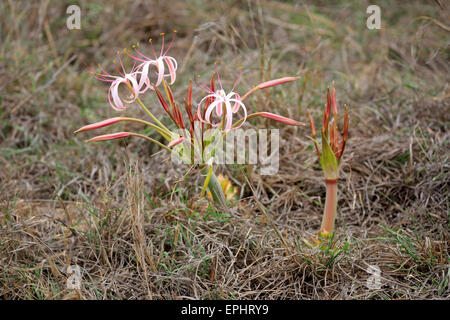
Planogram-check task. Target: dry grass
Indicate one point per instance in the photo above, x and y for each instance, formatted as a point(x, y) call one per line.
point(108, 208)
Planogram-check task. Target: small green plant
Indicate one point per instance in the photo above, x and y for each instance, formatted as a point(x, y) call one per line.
point(330, 158)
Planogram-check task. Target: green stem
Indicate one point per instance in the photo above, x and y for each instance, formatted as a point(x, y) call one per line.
point(151, 140)
point(163, 127)
point(216, 189)
point(329, 214)
point(166, 132)
point(155, 127)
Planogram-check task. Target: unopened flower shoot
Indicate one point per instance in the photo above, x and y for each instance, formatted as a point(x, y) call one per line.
point(330, 157)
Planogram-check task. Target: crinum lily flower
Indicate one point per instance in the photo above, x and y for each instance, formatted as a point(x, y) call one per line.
point(220, 100)
point(129, 79)
point(159, 62)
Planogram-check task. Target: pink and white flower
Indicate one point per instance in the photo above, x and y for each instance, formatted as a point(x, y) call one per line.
point(125, 78)
point(159, 62)
point(220, 100)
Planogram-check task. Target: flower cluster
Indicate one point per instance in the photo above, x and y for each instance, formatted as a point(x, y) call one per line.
point(151, 73)
point(138, 78)
point(138, 81)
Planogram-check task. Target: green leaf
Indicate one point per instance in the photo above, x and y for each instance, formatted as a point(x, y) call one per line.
point(328, 161)
point(208, 177)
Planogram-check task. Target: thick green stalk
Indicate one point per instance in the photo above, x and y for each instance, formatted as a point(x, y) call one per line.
point(329, 214)
point(215, 188)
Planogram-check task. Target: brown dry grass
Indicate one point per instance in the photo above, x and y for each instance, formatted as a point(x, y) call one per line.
point(107, 208)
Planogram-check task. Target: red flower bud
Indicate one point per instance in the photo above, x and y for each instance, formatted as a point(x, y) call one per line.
point(110, 136)
point(100, 124)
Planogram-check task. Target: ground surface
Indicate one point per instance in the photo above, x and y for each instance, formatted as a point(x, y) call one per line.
point(108, 209)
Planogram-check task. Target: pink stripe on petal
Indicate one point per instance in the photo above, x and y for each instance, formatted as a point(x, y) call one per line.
point(237, 104)
point(135, 87)
point(160, 71)
point(112, 103)
point(199, 115)
point(208, 114)
point(144, 76)
point(147, 79)
point(219, 109)
point(199, 107)
point(174, 62)
point(118, 104)
point(229, 122)
point(171, 69)
point(211, 108)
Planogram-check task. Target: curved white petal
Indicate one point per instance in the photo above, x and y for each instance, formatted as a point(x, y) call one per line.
point(144, 80)
point(114, 92)
point(134, 85)
point(174, 61)
point(160, 62)
point(237, 104)
point(231, 94)
point(245, 117)
point(172, 68)
point(210, 110)
point(229, 116)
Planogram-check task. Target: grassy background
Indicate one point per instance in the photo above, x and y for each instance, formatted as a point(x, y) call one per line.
point(108, 207)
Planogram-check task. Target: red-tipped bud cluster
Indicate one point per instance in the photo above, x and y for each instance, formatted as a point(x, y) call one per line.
point(188, 108)
point(330, 132)
point(332, 127)
point(173, 111)
point(163, 102)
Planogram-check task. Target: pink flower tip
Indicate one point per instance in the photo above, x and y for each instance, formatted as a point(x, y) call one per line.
point(281, 119)
point(100, 124)
point(176, 142)
point(110, 136)
point(275, 82)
